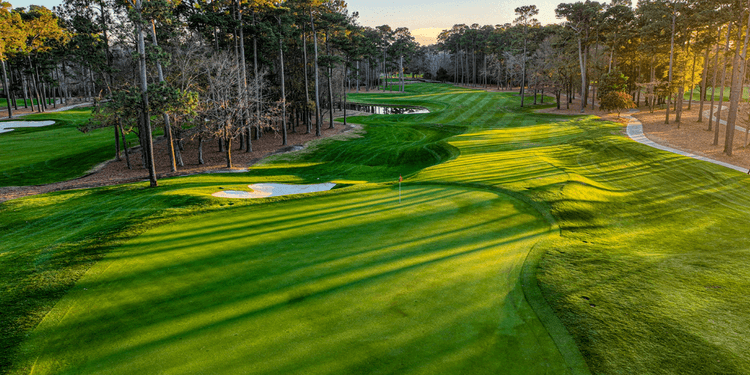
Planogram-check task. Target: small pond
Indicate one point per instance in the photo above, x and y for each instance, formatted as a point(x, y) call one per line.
point(385, 110)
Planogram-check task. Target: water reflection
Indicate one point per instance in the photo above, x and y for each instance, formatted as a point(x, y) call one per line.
point(383, 110)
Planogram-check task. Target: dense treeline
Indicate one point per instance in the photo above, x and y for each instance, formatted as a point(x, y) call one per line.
point(231, 70)
point(223, 70)
point(611, 54)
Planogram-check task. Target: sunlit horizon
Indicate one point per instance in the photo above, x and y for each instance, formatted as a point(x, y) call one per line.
point(424, 19)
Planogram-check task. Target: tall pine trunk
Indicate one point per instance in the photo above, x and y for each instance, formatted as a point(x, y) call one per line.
point(167, 125)
point(258, 103)
point(713, 84)
point(582, 63)
point(283, 90)
point(117, 143)
point(229, 152)
point(346, 68)
point(692, 80)
point(317, 83)
point(245, 95)
point(148, 152)
point(401, 72)
point(523, 74)
point(308, 126)
point(35, 87)
point(721, 93)
point(703, 84)
point(200, 150)
point(330, 86)
point(385, 76)
point(671, 62)
point(25, 89)
point(6, 88)
point(738, 79)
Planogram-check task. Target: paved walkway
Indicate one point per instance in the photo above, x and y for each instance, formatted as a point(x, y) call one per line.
point(635, 132)
point(707, 113)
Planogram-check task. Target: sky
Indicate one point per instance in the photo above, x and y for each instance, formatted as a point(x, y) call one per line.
point(427, 18)
point(424, 18)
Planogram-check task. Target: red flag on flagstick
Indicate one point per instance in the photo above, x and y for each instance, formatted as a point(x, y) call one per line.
point(399, 188)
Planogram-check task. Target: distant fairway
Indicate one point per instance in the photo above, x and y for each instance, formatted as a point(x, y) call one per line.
point(33, 156)
point(20, 103)
point(345, 283)
point(59, 152)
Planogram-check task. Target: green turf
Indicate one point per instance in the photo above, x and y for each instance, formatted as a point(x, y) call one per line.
point(19, 102)
point(646, 273)
point(59, 152)
point(727, 91)
point(345, 283)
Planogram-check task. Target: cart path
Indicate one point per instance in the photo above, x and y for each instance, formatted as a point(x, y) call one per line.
point(635, 132)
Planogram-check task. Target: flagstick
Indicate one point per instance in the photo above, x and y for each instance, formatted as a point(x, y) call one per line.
point(399, 192)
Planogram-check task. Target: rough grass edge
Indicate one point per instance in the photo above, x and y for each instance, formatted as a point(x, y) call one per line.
point(560, 335)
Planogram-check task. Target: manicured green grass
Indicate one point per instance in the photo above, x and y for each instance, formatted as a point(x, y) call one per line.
point(387, 152)
point(349, 282)
point(650, 269)
point(514, 325)
point(20, 102)
point(59, 152)
point(696, 93)
point(644, 268)
point(47, 242)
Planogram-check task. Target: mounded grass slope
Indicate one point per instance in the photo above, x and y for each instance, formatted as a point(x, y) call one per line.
point(385, 153)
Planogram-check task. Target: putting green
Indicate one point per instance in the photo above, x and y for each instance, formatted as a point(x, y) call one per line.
point(341, 283)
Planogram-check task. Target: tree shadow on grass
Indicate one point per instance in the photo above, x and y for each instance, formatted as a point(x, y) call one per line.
point(235, 285)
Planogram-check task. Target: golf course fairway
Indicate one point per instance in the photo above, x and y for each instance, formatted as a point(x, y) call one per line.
point(525, 243)
point(342, 283)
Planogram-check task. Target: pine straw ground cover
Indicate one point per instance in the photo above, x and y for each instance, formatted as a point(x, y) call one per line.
point(693, 136)
point(644, 263)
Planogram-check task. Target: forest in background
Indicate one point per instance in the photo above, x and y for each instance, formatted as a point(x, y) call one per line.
point(233, 70)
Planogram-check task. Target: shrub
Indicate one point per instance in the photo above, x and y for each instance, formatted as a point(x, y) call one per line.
point(442, 75)
point(612, 81)
point(616, 101)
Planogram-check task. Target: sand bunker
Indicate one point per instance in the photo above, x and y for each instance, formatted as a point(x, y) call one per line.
point(9, 126)
point(273, 190)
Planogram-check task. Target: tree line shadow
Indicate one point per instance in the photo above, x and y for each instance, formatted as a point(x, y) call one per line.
point(438, 248)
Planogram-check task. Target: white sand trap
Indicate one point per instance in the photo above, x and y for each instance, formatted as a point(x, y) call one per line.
point(273, 190)
point(9, 126)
